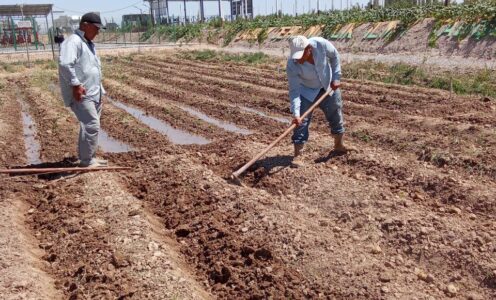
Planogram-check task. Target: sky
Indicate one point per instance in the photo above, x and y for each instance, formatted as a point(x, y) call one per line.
point(116, 8)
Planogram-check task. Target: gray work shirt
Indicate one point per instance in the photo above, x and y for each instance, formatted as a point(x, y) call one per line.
point(79, 65)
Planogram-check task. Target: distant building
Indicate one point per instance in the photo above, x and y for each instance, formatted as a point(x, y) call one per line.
point(242, 9)
point(68, 24)
point(136, 19)
point(111, 26)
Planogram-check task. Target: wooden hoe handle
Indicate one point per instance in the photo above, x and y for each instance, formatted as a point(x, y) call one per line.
point(60, 170)
point(283, 135)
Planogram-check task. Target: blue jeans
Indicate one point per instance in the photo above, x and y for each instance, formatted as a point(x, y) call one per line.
point(333, 111)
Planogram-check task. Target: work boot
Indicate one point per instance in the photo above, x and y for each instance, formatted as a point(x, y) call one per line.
point(102, 162)
point(94, 163)
point(297, 158)
point(339, 147)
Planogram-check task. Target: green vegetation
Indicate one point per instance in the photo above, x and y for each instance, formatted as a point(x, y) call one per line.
point(362, 135)
point(12, 67)
point(47, 63)
point(262, 36)
point(477, 82)
point(480, 82)
point(433, 34)
point(19, 66)
point(42, 77)
point(211, 55)
point(476, 11)
point(176, 32)
point(3, 85)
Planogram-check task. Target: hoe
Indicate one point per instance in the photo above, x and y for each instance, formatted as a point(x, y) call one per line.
point(43, 171)
point(235, 176)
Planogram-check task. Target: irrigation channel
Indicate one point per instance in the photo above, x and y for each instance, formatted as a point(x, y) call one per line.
point(410, 215)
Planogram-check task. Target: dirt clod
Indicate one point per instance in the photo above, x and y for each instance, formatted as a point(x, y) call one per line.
point(220, 274)
point(119, 260)
point(422, 275)
point(451, 290)
point(263, 254)
point(183, 231)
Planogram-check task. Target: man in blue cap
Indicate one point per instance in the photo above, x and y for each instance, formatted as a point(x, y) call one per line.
point(80, 77)
point(313, 68)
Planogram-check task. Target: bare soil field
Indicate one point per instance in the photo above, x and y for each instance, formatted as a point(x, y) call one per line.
point(410, 215)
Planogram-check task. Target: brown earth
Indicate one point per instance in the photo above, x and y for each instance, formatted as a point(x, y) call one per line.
point(410, 215)
point(23, 274)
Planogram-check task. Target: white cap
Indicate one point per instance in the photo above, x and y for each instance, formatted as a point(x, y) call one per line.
point(297, 46)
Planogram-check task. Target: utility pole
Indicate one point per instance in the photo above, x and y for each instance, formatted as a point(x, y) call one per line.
point(185, 14)
point(220, 10)
point(139, 29)
point(202, 12)
point(152, 17)
point(159, 13)
point(167, 8)
point(25, 38)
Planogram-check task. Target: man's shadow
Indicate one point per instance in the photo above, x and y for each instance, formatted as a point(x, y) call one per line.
point(332, 154)
point(275, 164)
point(65, 163)
point(268, 167)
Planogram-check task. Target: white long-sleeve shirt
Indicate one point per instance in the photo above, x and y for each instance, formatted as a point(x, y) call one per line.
point(79, 65)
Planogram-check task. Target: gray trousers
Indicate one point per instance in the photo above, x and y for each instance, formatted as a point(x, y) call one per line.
point(88, 113)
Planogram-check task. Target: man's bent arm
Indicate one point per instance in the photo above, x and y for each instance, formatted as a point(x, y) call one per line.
point(333, 56)
point(294, 88)
point(67, 62)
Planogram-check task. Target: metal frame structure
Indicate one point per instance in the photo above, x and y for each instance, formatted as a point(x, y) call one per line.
point(202, 8)
point(32, 11)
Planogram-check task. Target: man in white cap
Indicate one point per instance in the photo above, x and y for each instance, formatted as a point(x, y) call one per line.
point(80, 76)
point(313, 67)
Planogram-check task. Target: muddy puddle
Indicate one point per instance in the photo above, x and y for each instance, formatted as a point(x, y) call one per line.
point(31, 144)
point(221, 124)
point(260, 113)
point(110, 145)
point(106, 143)
point(176, 136)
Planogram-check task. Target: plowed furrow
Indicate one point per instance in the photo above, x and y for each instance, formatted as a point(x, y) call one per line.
point(234, 86)
point(159, 108)
point(57, 131)
point(227, 74)
point(260, 71)
point(209, 106)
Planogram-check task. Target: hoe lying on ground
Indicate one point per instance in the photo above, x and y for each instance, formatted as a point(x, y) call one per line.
point(42, 171)
point(235, 176)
